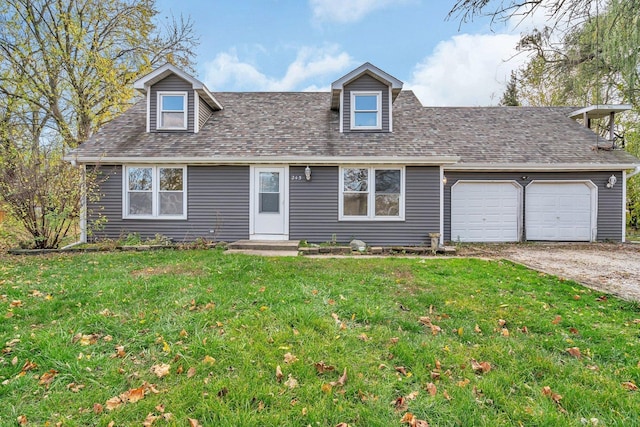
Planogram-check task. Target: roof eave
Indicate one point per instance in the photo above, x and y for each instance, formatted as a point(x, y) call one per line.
point(539, 167)
point(250, 160)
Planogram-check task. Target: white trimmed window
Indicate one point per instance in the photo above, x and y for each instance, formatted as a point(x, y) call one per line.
point(371, 193)
point(155, 192)
point(172, 110)
point(366, 110)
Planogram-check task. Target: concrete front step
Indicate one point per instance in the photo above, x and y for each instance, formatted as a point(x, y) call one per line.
point(265, 245)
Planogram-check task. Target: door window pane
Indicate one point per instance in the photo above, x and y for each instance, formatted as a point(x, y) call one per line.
point(269, 202)
point(269, 182)
point(269, 194)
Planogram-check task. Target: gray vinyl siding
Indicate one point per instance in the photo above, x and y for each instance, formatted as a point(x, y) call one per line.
point(365, 83)
point(205, 112)
point(169, 84)
point(610, 220)
point(217, 207)
point(313, 213)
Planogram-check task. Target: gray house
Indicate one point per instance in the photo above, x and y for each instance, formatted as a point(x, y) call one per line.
point(365, 160)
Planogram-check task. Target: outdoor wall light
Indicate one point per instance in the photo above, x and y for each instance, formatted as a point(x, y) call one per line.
point(307, 173)
point(444, 180)
point(612, 181)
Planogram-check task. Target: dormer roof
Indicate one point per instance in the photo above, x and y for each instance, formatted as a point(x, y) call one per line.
point(371, 70)
point(143, 83)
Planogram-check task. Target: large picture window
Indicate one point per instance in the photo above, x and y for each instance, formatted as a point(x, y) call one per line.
point(368, 193)
point(155, 192)
point(172, 110)
point(366, 110)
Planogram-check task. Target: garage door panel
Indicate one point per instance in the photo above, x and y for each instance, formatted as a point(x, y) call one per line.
point(558, 211)
point(485, 211)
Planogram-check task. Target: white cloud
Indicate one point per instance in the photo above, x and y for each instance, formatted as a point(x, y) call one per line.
point(227, 72)
point(467, 70)
point(345, 11)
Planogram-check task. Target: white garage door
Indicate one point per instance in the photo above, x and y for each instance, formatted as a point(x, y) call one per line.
point(485, 211)
point(560, 211)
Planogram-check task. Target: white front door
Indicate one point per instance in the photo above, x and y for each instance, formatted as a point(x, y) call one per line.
point(269, 207)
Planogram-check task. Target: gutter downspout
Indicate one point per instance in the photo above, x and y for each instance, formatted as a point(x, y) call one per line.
point(626, 177)
point(635, 172)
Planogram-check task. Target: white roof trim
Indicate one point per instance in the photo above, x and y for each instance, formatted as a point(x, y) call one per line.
point(600, 110)
point(538, 167)
point(373, 70)
point(291, 160)
point(167, 69)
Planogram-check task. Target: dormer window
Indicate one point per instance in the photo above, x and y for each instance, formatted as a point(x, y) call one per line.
point(172, 110)
point(366, 111)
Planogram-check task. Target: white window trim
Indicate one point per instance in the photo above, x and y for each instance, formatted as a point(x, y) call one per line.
point(371, 197)
point(155, 190)
point(378, 95)
point(160, 111)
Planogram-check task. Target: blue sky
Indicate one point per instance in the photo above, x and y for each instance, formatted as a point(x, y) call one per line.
point(298, 45)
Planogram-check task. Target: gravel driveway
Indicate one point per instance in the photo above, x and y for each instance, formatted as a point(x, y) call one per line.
point(606, 267)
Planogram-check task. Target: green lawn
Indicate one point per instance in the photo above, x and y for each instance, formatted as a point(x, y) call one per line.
point(203, 338)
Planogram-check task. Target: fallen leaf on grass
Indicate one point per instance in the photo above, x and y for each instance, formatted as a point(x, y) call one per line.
point(85, 339)
point(149, 420)
point(120, 353)
point(480, 367)
point(279, 374)
point(74, 388)
point(97, 408)
point(290, 358)
point(112, 403)
point(342, 380)
point(194, 423)
point(432, 389)
point(322, 368)
point(209, 360)
point(47, 377)
point(400, 404)
point(477, 329)
point(291, 382)
point(410, 419)
point(27, 367)
point(557, 320)
point(501, 322)
point(401, 369)
point(575, 352)
point(546, 391)
point(15, 303)
point(161, 370)
point(629, 385)
point(22, 420)
point(191, 372)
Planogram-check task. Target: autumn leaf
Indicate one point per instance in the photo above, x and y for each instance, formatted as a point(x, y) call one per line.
point(27, 367)
point(501, 322)
point(573, 331)
point(446, 395)
point(322, 368)
point(629, 385)
point(326, 388)
point(524, 330)
point(85, 339)
point(161, 370)
point(557, 320)
point(290, 358)
point(112, 403)
point(120, 353)
point(412, 395)
point(209, 360)
point(432, 389)
point(47, 377)
point(134, 395)
point(15, 303)
point(193, 422)
point(504, 332)
point(546, 391)
point(148, 421)
point(477, 329)
point(401, 369)
point(400, 404)
point(463, 383)
point(191, 372)
point(279, 374)
point(74, 388)
point(343, 379)
point(481, 367)
point(575, 352)
point(363, 337)
point(22, 420)
point(291, 382)
point(97, 408)
point(410, 419)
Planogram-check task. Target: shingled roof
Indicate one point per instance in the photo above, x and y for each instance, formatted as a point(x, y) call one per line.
point(301, 127)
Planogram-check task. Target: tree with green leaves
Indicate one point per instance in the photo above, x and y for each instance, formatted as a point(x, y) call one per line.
point(510, 95)
point(67, 68)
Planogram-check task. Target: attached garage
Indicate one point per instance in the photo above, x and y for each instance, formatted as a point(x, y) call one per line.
point(561, 211)
point(486, 211)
